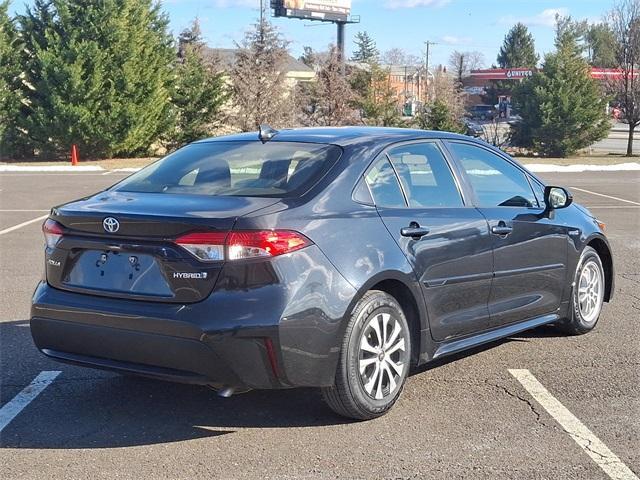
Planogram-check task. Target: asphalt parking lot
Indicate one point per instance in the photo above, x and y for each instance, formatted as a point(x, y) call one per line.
point(468, 418)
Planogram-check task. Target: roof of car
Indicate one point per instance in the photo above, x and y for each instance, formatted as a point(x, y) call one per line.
point(341, 136)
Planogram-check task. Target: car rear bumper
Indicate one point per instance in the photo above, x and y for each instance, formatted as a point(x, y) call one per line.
point(278, 333)
point(165, 357)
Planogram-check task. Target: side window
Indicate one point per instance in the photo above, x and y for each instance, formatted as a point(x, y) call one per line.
point(495, 181)
point(384, 185)
point(425, 176)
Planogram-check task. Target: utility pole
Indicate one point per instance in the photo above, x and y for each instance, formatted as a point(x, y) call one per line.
point(426, 79)
point(261, 21)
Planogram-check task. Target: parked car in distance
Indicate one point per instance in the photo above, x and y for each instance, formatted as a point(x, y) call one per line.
point(473, 129)
point(482, 112)
point(338, 258)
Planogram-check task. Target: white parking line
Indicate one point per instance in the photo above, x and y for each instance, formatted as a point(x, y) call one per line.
point(23, 224)
point(613, 207)
point(10, 410)
point(591, 444)
point(605, 196)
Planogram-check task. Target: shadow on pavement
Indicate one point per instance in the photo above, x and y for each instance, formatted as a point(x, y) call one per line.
point(86, 408)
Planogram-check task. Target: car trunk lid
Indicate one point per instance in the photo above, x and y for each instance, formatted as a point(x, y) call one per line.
point(122, 244)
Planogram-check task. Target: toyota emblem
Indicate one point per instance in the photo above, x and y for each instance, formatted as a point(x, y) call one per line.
point(111, 225)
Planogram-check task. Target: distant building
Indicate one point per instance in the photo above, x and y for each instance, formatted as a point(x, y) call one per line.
point(407, 81)
point(296, 71)
point(478, 81)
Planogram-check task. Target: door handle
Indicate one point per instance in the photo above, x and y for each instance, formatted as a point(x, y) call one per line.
point(501, 229)
point(414, 230)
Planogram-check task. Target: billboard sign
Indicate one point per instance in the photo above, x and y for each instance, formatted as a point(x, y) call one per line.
point(324, 10)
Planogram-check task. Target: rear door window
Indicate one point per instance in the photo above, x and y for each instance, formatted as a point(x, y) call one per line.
point(425, 176)
point(253, 169)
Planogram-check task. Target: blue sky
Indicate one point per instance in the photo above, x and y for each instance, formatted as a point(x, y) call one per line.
point(454, 24)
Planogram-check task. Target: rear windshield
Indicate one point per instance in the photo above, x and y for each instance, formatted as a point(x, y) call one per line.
point(249, 169)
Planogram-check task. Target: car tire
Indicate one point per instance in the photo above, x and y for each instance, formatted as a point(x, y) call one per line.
point(374, 359)
point(587, 295)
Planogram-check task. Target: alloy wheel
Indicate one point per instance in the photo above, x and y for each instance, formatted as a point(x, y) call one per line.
point(590, 291)
point(382, 359)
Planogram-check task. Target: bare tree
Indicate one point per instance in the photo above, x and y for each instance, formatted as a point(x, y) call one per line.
point(398, 56)
point(444, 89)
point(495, 133)
point(624, 21)
point(445, 110)
point(462, 63)
point(260, 91)
point(328, 101)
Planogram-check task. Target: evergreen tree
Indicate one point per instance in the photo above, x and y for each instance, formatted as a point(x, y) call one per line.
point(571, 33)
point(261, 93)
point(562, 107)
point(379, 103)
point(601, 46)
point(200, 91)
point(518, 49)
point(105, 86)
point(366, 50)
point(9, 79)
point(438, 116)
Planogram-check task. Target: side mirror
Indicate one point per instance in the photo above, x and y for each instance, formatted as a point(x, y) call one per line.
point(557, 197)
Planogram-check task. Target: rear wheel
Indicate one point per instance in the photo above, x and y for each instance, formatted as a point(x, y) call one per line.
point(374, 360)
point(587, 296)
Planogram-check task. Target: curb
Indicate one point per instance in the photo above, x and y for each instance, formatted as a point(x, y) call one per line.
point(52, 168)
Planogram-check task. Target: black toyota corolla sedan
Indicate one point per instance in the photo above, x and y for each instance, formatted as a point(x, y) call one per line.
point(338, 258)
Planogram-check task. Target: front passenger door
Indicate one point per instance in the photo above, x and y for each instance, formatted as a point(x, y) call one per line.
point(529, 247)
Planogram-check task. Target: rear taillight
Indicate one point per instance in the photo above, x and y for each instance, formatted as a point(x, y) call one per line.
point(52, 232)
point(264, 243)
point(208, 247)
point(237, 245)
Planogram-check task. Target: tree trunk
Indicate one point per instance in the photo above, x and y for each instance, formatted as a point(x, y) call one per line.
point(632, 127)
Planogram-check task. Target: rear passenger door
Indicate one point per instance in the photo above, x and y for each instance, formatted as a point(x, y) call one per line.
point(446, 240)
point(530, 247)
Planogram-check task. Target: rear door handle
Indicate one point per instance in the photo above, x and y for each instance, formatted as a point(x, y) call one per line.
point(414, 231)
point(501, 229)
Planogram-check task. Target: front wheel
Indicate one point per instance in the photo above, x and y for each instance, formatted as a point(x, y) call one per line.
point(374, 360)
point(587, 296)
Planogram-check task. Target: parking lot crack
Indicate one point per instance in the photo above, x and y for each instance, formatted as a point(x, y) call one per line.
point(588, 445)
point(526, 401)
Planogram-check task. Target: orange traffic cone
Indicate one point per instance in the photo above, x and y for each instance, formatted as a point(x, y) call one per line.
point(75, 158)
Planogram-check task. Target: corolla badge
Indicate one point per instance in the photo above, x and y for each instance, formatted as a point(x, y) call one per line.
point(111, 225)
